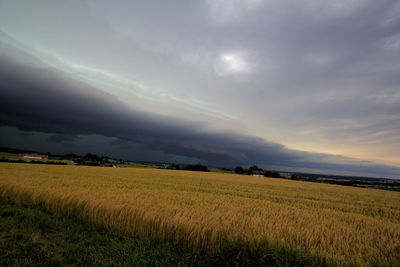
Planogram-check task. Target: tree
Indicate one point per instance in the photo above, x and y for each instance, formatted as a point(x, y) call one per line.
point(252, 169)
point(274, 174)
point(239, 170)
point(91, 157)
point(175, 167)
point(197, 167)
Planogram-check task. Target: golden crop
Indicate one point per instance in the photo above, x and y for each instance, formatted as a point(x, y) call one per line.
point(343, 225)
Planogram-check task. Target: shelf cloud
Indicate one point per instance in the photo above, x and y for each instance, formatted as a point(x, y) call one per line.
point(306, 85)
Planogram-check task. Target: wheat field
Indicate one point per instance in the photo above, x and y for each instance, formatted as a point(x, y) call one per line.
point(205, 211)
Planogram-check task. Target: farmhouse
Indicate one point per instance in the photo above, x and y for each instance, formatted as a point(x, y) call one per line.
point(109, 165)
point(257, 173)
point(32, 156)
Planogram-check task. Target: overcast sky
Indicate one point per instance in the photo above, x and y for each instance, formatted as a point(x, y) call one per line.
point(288, 85)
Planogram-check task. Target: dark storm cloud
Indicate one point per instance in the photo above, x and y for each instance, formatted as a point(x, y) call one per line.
point(323, 61)
point(40, 98)
point(313, 74)
point(43, 99)
point(59, 138)
point(25, 134)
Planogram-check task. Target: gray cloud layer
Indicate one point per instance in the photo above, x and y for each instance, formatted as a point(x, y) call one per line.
point(42, 99)
point(317, 75)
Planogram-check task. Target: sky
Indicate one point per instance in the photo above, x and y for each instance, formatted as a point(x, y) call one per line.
point(310, 86)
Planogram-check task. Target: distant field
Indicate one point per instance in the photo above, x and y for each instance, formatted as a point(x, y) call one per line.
point(134, 165)
point(15, 157)
point(220, 171)
point(6, 155)
point(327, 224)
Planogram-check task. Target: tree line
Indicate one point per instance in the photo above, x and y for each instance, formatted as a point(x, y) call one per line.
point(256, 170)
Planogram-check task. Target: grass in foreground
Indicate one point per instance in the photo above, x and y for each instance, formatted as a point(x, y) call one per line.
point(31, 237)
point(259, 218)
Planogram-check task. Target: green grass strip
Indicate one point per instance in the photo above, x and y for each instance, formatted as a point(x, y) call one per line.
point(30, 237)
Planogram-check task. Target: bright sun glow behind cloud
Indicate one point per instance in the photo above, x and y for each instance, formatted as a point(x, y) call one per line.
point(231, 63)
